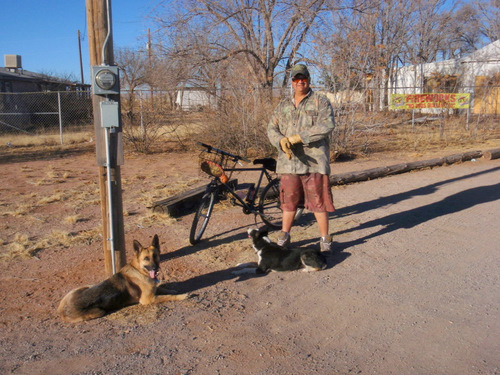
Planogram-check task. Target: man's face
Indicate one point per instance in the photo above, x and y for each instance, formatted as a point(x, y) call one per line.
point(300, 84)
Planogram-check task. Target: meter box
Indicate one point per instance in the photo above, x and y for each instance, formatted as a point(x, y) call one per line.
point(110, 114)
point(105, 80)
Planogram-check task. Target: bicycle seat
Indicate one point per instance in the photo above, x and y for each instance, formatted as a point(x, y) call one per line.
point(268, 163)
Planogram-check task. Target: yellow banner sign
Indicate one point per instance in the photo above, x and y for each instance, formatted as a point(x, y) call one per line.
point(417, 101)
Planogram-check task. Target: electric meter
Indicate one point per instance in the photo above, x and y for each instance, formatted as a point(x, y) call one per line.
point(106, 80)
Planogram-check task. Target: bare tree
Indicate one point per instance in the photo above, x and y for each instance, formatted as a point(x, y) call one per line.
point(264, 34)
point(489, 19)
point(132, 65)
point(365, 41)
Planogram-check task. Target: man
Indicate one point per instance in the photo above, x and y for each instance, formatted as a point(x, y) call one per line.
point(300, 128)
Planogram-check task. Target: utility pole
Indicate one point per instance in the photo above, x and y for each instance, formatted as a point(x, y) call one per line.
point(150, 65)
point(80, 52)
point(109, 141)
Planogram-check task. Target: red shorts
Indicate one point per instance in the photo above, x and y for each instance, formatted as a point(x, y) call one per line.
point(313, 190)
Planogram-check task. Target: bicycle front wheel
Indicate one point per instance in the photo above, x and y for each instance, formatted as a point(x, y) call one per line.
point(270, 205)
point(201, 217)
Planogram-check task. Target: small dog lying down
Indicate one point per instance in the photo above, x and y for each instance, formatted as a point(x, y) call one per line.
point(273, 257)
point(135, 283)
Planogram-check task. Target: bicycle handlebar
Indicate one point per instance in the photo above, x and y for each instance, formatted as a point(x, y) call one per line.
point(216, 150)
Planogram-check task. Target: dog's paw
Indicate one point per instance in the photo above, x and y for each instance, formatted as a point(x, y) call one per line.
point(244, 271)
point(247, 265)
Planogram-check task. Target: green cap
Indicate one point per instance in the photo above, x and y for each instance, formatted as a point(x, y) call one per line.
point(300, 69)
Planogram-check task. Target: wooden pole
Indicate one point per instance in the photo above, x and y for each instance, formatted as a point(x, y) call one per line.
point(150, 66)
point(80, 53)
point(97, 24)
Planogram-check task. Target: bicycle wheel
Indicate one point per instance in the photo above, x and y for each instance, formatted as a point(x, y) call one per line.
point(201, 217)
point(270, 205)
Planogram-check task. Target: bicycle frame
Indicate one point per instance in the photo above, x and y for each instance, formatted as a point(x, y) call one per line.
point(250, 205)
point(216, 163)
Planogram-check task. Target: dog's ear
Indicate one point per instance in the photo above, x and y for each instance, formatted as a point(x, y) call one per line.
point(137, 246)
point(264, 231)
point(156, 242)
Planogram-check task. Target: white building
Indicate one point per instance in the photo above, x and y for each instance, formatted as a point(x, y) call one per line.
point(477, 74)
point(194, 99)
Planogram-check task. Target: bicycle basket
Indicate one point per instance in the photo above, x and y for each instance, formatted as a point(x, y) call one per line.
point(214, 164)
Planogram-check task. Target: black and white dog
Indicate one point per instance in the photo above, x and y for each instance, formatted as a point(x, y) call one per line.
point(273, 257)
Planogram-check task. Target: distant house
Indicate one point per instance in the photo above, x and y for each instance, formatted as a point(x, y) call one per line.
point(194, 99)
point(477, 74)
point(25, 81)
point(28, 99)
point(13, 78)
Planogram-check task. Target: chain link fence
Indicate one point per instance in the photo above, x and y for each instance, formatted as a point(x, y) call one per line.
point(45, 113)
point(235, 118)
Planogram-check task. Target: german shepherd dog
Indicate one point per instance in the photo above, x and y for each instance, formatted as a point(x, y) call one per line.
point(135, 283)
point(273, 257)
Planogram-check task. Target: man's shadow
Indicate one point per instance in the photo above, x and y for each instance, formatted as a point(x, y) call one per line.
point(416, 216)
point(396, 198)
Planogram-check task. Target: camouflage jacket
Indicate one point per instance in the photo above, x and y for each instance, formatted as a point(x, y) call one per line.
point(313, 120)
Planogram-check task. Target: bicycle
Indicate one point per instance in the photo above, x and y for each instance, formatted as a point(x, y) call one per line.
point(216, 163)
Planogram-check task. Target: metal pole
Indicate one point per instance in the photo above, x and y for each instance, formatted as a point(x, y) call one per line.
point(60, 116)
point(111, 238)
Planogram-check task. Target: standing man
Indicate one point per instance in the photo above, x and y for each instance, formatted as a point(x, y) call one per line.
point(300, 128)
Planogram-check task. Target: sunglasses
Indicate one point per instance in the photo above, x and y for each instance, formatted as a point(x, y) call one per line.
point(296, 79)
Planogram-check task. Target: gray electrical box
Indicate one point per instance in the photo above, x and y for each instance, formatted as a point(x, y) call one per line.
point(110, 114)
point(105, 80)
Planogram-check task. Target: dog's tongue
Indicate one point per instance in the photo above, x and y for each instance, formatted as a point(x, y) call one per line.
point(152, 274)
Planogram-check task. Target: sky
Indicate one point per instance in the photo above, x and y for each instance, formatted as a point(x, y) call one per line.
point(45, 33)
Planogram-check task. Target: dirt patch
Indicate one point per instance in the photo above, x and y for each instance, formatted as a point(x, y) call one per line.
point(412, 286)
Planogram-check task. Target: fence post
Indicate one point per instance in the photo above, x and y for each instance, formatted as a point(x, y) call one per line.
point(60, 115)
point(468, 115)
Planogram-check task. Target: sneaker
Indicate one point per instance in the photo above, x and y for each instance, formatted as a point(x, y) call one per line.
point(284, 239)
point(325, 243)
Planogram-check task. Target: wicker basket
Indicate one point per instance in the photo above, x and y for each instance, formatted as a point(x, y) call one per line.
point(214, 164)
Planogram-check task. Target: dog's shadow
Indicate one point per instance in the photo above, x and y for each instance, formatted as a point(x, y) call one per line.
point(209, 279)
point(206, 280)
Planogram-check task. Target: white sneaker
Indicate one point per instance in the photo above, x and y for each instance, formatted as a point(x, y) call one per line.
point(325, 243)
point(284, 239)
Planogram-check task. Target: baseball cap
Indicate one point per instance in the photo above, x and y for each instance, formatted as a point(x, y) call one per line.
point(300, 69)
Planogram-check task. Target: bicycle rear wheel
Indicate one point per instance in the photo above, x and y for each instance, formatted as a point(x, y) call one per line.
point(270, 206)
point(201, 217)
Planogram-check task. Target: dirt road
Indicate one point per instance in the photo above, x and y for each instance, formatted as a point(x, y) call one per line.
point(412, 287)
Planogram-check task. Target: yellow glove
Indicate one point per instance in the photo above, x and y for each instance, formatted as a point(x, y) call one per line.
point(295, 139)
point(286, 147)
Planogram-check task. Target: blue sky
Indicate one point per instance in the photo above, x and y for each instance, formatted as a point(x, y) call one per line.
point(45, 32)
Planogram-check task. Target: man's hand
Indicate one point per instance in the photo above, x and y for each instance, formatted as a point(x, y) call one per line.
point(286, 147)
point(294, 139)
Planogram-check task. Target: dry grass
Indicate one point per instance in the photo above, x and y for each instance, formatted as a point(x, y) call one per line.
point(159, 191)
point(28, 140)
point(73, 219)
point(22, 247)
point(153, 218)
point(19, 210)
